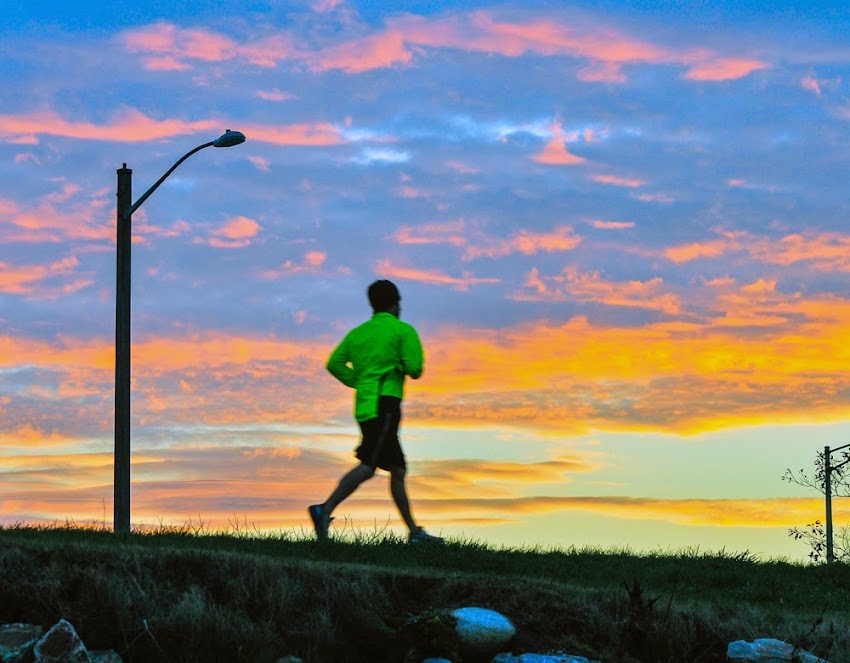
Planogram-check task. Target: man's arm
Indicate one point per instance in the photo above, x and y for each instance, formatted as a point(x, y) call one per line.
point(412, 357)
point(338, 364)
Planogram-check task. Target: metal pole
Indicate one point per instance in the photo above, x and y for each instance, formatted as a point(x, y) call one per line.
point(827, 472)
point(121, 500)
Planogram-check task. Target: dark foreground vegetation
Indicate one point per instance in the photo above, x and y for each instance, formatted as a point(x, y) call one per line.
point(178, 595)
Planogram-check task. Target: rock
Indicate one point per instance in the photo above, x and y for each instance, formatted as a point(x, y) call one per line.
point(109, 656)
point(541, 658)
point(436, 660)
point(61, 644)
point(768, 650)
point(17, 642)
point(289, 659)
point(482, 632)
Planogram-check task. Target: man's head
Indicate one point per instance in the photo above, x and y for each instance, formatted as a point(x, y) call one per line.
point(384, 297)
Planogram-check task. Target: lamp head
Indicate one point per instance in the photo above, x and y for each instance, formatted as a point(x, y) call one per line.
point(229, 139)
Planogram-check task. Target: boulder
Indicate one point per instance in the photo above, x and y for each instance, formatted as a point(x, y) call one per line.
point(768, 650)
point(61, 644)
point(17, 642)
point(482, 632)
point(109, 656)
point(541, 658)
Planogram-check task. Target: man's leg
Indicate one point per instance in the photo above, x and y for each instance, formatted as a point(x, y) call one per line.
point(347, 485)
point(399, 494)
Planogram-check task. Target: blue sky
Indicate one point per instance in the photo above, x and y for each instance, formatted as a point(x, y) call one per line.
point(621, 233)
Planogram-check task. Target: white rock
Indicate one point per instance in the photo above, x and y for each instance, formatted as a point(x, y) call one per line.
point(483, 632)
point(768, 650)
point(541, 658)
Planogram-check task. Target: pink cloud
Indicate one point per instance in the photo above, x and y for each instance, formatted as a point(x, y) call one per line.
point(555, 153)
point(374, 52)
point(724, 69)
point(129, 125)
point(260, 164)
point(275, 95)
point(167, 40)
point(325, 5)
point(654, 198)
point(602, 72)
point(618, 181)
point(318, 134)
point(817, 85)
point(386, 268)
point(612, 225)
point(606, 50)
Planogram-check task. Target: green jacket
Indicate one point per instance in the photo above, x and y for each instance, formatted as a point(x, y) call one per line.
point(374, 359)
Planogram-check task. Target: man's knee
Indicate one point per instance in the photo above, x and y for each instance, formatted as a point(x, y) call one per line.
point(366, 471)
point(397, 473)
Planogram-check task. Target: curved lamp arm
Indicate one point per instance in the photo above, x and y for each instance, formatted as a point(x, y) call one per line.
point(227, 139)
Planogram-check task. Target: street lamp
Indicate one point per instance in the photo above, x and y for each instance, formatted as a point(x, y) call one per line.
point(121, 502)
point(828, 469)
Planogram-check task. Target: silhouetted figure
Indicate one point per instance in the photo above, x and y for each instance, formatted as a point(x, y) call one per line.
point(374, 359)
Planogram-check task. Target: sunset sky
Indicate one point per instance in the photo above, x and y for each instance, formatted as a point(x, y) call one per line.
point(622, 234)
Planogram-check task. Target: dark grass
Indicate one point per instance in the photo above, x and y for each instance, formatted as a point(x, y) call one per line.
point(183, 594)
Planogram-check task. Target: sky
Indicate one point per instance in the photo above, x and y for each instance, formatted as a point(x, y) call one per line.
point(621, 233)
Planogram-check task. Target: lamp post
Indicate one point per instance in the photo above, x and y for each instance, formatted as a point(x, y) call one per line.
point(121, 502)
point(828, 469)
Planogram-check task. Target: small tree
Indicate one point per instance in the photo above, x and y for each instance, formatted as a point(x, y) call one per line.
point(814, 534)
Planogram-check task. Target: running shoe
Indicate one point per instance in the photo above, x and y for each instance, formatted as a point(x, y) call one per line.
point(321, 520)
point(421, 536)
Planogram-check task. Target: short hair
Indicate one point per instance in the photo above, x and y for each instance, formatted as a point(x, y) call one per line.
point(382, 295)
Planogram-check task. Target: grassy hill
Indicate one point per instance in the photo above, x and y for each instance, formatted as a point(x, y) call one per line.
point(177, 595)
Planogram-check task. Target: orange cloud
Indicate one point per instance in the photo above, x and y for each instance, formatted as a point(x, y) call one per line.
point(34, 279)
point(572, 285)
point(311, 263)
point(555, 152)
point(475, 243)
point(688, 252)
point(236, 233)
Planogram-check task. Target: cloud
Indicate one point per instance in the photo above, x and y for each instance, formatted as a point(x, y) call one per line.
point(555, 152)
point(129, 126)
point(632, 183)
point(386, 269)
point(573, 285)
point(42, 281)
point(378, 51)
point(817, 85)
point(724, 69)
point(604, 50)
point(275, 95)
point(311, 262)
point(374, 155)
point(236, 233)
point(475, 243)
point(612, 225)
point(260, 163)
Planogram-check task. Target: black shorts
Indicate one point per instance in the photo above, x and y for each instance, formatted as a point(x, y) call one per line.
point(380, 446)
